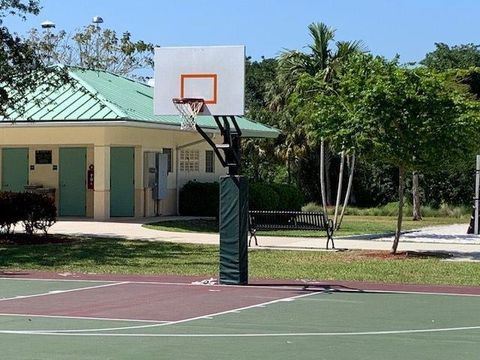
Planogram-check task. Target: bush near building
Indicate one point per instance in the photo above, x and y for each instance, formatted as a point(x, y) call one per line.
point(202, 199)
point(36, 212)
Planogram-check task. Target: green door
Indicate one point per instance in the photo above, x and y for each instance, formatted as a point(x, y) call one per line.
point(72, 192)
point(122, 187)
point(14, 169)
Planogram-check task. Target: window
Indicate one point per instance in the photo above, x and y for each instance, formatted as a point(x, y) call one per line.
point(189, 160)
point(168, 151)
point(209, 161)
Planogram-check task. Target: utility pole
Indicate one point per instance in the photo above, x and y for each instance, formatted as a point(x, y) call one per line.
point(97, 20)
point(47, 26)
point(477, 195)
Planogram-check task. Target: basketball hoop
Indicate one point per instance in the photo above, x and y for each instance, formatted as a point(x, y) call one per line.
point(188, 108)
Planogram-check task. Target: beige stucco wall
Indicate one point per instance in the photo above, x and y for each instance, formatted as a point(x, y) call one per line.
point(98, 140)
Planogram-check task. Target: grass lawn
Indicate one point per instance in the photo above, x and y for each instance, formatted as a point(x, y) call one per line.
point(352, 225)
point(139, 257)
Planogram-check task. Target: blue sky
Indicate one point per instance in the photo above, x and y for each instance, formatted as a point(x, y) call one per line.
point(388, 27)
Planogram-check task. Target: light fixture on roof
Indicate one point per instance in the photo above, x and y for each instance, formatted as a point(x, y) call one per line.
point(97, 20)
point(47, 24)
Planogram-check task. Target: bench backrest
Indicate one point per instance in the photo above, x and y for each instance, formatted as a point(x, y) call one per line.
point(284, 220)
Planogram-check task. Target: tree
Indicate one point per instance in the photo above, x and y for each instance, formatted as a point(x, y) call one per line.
point(259, 161)
point(461, 63)
point(445, 57)
point(93, 47)
point(414, 119)
point(323, 61)
point(21, 71)
point(258, 75)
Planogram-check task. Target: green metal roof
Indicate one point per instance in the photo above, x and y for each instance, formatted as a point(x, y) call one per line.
point(99, 96)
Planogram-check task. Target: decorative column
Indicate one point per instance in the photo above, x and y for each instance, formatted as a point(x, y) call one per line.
point(101, 194)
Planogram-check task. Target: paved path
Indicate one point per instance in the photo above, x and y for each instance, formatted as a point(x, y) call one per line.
point(449, 238)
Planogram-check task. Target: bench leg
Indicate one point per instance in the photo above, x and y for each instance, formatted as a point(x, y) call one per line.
point(330, 233)
point(252, 235)
point(330, 239)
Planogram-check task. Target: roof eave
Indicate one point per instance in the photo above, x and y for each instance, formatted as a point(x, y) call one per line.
point(248, 133)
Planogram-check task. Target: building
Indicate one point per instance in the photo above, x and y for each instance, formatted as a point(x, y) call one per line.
point(95, 143)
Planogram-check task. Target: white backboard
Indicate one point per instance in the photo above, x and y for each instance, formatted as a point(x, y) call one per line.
point(213, 73)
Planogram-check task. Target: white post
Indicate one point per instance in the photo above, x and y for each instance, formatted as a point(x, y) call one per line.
point(477, 195)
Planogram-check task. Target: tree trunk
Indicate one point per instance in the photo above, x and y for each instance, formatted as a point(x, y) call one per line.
point(339, 188)
point(322, 177)
point(347, 194)
point(401, 193)
point(328, 185)
point(417, 214)
point(289, 176)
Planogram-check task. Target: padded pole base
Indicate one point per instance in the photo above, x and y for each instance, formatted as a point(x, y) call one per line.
point(233, 226)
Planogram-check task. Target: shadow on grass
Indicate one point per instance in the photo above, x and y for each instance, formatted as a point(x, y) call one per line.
point(194, 225)
point(211, 226)
point(109, 255)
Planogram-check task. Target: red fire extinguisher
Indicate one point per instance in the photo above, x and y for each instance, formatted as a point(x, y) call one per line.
point(90, 177)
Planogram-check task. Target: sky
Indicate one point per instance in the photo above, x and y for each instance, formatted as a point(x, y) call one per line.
point(409, 28)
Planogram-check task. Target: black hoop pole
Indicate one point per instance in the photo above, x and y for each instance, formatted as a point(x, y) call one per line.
point(231, 156)
point(233, 203)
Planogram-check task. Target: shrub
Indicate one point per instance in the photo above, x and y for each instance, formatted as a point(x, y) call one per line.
point(39, 212)
point(202, 199)
point(199, 199)
point(10, 211)
point(263, 197)
point(35, 211)
point(391, 209)
point(312, 207)
point(290, 197)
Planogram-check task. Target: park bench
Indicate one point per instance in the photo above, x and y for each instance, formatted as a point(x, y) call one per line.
point(288, 220)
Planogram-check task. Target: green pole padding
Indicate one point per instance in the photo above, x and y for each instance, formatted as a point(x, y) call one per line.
point(233, 226)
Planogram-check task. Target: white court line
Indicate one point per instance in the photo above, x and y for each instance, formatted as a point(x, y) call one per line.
point(5, 277)
point(207, 316)
point(82, 318)
point(243, 335)
point(56, 292)
point(327, 287)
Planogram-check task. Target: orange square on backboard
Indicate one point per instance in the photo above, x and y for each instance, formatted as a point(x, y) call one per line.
point(184, 78)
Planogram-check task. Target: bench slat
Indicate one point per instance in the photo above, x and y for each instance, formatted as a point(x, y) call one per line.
point(288, 220)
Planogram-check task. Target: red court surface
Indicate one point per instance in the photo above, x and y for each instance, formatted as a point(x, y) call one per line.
point(79, 316)
point(174, 298)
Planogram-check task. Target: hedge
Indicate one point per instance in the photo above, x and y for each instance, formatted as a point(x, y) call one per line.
point(201, 199)
point(34, 211)
point(265, 196)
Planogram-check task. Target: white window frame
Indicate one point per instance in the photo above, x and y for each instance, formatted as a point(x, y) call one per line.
point(189, 161)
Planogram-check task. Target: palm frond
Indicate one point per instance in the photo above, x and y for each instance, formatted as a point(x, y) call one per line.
point(322, 35)
point(346, 48)
point(291, 64)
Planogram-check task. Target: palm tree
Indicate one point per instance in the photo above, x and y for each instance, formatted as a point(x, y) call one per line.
point(291, 146)
point(323, 60)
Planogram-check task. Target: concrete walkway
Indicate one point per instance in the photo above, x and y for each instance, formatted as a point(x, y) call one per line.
point(449, 238)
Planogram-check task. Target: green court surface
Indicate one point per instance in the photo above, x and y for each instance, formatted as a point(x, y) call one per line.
point(304, 325)
point(15, 287)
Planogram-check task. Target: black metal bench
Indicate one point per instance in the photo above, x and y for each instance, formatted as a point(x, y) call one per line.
point(288, 220)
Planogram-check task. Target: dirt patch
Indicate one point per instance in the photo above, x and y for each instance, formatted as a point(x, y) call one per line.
point(36, 239)
point(401, 255)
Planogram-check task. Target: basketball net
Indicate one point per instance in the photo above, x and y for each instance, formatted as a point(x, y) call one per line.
point(188, 108)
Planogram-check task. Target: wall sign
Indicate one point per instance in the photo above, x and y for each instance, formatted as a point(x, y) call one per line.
point(43, 157)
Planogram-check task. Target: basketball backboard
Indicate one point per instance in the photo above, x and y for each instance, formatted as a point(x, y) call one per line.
point(215, 74)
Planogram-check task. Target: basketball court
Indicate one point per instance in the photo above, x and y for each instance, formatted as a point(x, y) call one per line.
point(46, 316)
